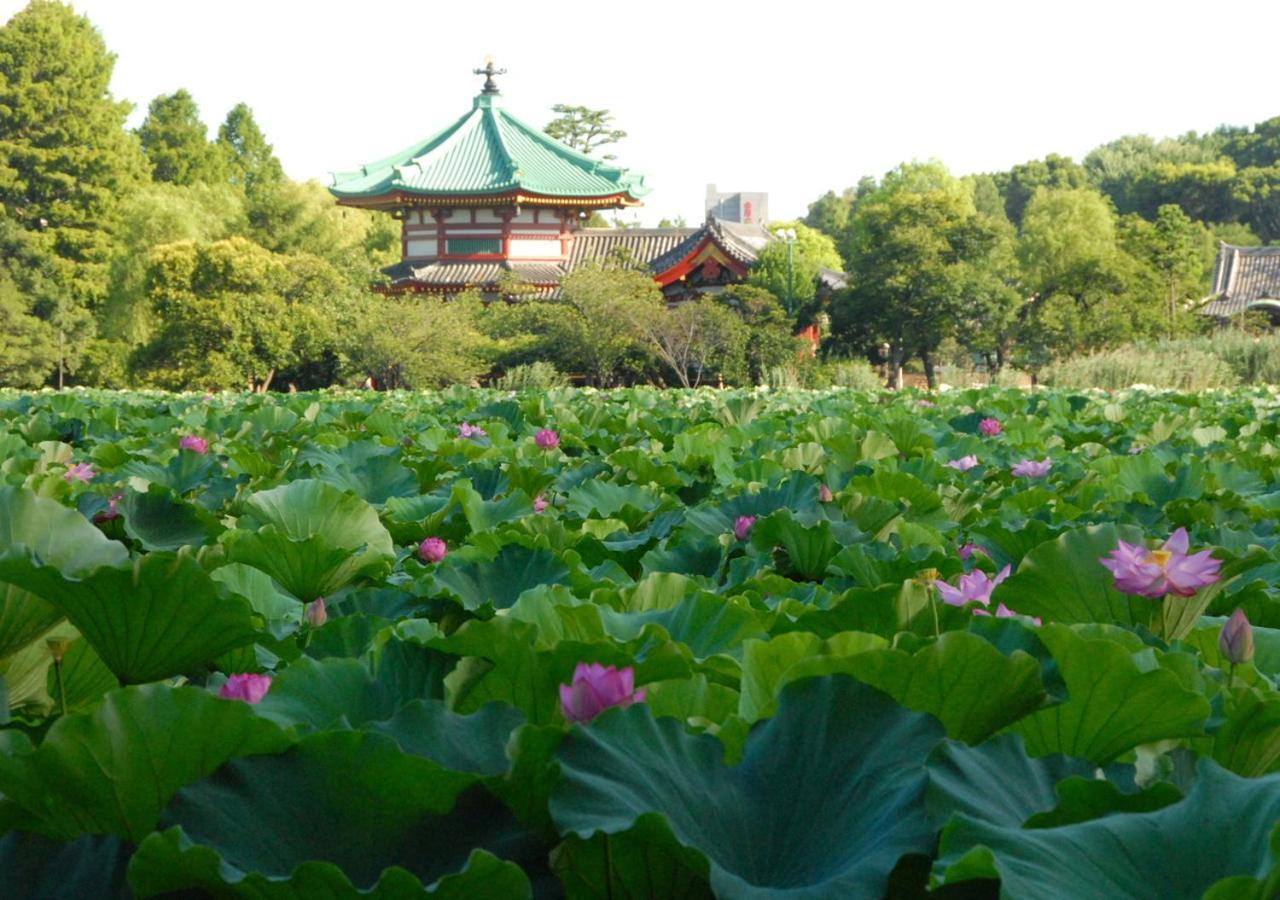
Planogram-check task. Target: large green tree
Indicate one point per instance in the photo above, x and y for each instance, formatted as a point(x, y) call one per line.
point(177, 143)
point(791, 273)
point(1022, 181)
point(252, 160)
point(605, 311)
point(65, 158)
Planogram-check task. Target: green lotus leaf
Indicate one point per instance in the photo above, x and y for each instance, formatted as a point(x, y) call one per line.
point(367, 470)
point(1248, 742)
point(705, 622)
point(766, 664)
point(1063, 581)
point(113, 770)
point(37, 868)
point(961, 679)
point(646, 861)
point(503, 579)
point(153, 618)
point(58, 537)
point(311, 538)
point(380, 808)
point(828, 796)
point(1117, 699)
point(159, 520)
point(1166, 853)
point(85, 678)
point(282, 613)
point(809, 549)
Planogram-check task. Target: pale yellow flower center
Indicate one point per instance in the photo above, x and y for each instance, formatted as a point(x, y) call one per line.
point(1160, 557)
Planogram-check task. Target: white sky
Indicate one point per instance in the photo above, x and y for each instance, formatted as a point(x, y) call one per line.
point(791, 98)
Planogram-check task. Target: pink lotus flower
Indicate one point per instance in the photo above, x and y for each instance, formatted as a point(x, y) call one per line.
point(742, 527)
point(1004, 612)
point(596, 688)
point(927, 404)
point(247, 687)
point(990, 427)
point(82, 472)
point(432, 550)
point(963, 464)
point(540, 503)
point(467, 430)
point(194, 443)
point(315, 614)
point(824, 494)
point(975, 586)
point(547, 439)
point(969, 549)
point(1235, 642)
point(1030, 468)
point(112, 511)
point(1169, 570)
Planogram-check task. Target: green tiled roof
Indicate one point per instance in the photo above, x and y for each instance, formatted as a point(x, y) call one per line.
point(489, 151)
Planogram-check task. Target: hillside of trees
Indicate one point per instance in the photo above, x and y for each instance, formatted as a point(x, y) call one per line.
point(168, 256)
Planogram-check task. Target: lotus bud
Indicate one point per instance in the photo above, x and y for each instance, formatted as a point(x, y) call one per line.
point(595, 688)
point(742, 527)
point(316, 615)
point(540, 503)
point(547, 439)
point(824, 494)
point(1236, 639)
point(432, 550)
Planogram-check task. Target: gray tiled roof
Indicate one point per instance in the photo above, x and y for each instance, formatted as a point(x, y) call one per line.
point(1244, 277)
point(833, 280)
point(742, 242)
point(471, 274)
point(642, 245)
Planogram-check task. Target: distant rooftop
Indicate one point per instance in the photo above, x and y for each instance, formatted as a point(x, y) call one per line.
point(1244, 278)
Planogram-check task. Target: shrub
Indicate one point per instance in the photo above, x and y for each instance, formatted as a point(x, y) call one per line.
point(1173, 364)
point(536, 376)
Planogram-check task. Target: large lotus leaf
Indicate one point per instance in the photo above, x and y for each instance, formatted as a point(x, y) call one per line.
point(643, 863)
point(113, 770)
point(502, 580)
point(707, 623)
point(810, 549)
point(961, 679)
point(828, 796)
point(183, 474)
point(371, 472)
point(344, 693)
point(311, 538)
point(1117, 700)
point(338, 808)
point(153, 618)
point(58, 537)
point(1063, 581)
point(996, 781)
point(282, 613)
point(766, 664)
point(84, 677)
point(37, 868)
point(158, 520)
point(604, 499)
point(1221, 829)
point(1248, 742)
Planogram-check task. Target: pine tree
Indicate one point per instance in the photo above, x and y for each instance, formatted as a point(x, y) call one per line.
point(65, 157)
point(253, 163)
point(177, 142)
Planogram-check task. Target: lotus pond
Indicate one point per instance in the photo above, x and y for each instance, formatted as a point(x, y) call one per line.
point(640, 644)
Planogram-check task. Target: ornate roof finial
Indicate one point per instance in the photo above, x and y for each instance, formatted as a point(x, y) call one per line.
point(490, 86)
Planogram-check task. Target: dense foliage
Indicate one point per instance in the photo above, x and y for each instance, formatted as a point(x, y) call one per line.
point(371, 644)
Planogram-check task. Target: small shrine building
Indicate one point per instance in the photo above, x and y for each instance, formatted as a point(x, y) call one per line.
point(490, 198)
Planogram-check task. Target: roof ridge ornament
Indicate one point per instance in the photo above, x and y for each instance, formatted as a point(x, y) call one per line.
point(490, 86)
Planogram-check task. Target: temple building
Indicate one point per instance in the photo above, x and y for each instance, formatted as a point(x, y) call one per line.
point(1245, 278)
point(490, 199)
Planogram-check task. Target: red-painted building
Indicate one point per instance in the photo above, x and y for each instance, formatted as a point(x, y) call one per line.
point(490, 199)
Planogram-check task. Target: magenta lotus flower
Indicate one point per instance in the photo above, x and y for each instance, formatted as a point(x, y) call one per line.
point(990, 427)
point(742, 527)
point(540, 503)
point(247, 687)
point(1235, 642)
point(1031, 468)
point(596, 688)
point(81, 472)
point(969, 549)
point(1169, 570)
point(974, 587)
point(112, 511)
point(824, 494)
point(193, 443)
point(432, 550)
point(963, 464)
point(315, 613)
point(546, 439)
point(467, 430)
